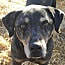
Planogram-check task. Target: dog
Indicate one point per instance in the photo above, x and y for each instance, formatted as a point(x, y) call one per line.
point(42, 2)
point(31, 30)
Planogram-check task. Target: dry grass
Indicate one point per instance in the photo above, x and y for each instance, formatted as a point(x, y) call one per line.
point(5, 48)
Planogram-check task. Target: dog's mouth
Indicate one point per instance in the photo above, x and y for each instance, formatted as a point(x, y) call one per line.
point(38, 60)
point(41, 57)
point(35, 57)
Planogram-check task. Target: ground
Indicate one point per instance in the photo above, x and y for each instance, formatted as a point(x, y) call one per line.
point(6, 6)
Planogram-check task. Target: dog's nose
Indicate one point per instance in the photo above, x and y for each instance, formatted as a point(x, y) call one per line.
point(34, 47)
point(35, 50)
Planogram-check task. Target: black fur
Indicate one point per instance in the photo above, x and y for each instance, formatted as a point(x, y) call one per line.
point(9, 21)
point(42, 2)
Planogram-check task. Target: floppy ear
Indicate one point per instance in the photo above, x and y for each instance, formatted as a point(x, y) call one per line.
point(57, 16)
point(9, 21)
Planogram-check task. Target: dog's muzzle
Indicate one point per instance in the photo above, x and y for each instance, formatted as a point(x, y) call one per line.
point(37, 48)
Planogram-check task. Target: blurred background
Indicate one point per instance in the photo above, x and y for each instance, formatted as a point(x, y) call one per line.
point(6, 6)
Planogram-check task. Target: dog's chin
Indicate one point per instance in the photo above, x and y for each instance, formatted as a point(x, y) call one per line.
point(39, 60)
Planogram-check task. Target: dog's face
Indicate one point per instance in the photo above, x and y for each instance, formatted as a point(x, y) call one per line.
point(34, 27)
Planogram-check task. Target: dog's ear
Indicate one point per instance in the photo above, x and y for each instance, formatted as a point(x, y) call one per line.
point(9, 21)
point(57, 16)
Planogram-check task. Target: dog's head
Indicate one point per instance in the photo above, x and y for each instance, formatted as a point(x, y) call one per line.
point(33, 27)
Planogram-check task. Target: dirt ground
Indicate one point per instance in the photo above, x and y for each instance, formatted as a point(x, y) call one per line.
point(58, 56)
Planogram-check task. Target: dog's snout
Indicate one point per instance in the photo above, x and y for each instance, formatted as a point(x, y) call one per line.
point(34, 47)
point(34, 43)
point(35, 50)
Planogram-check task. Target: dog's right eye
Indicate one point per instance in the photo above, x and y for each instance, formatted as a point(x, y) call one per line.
point(44, 22)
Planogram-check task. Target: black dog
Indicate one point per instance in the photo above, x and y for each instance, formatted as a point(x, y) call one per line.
point(32, 31)
point(42, 2)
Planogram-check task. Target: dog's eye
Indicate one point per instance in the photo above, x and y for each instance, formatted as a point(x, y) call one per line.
point(44, 22)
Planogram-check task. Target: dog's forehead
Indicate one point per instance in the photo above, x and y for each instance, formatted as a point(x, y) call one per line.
point(33, 13)
point(36, 12)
